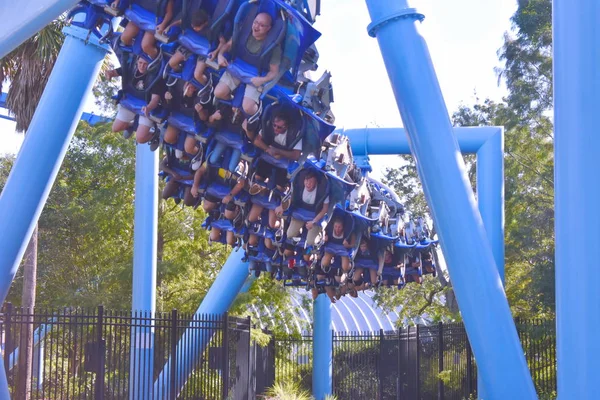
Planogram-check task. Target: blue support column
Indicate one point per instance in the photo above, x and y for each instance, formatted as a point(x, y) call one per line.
point(490, 199)
point(22, 19)
point(4, 393)
point(144, 272)
point(44, 147)
point(490, 194)
point(192, 344)
point(468, 253)
point(577, 195)
point(322, 372)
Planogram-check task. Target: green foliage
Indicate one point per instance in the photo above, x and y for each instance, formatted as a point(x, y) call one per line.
point(287, 391)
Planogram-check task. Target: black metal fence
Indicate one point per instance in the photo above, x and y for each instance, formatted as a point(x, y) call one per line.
point(102, 354)
point(422, 362)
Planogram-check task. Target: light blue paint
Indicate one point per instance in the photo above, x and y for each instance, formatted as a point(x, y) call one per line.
point(468, 253)
point(23, 19)
point(38, 335)
point(145, 238)
point(4, 393)
point(577, 195)
point(217, 301)
point(43, 150)
point(490, 199)
point(490, 193)
point(322, 376)
point(373, 141)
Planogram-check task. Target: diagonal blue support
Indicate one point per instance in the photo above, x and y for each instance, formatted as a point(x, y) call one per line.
point(469, 256)
point(576, 47)
point(22, 19)
point(217, 301)
point(44, 148)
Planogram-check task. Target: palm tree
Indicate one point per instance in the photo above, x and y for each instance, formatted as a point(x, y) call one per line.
point(27, 69)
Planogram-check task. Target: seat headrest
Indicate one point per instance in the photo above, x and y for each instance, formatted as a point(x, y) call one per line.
point(268, 7)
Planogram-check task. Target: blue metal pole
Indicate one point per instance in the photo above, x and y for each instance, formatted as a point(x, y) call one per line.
point(372, 141)
point(4, 393)
point(490, 199)
point(322, 373)
point(577, 195)
point(192, 344)
point(23, 19)
point(490, 194)
point(468, 253)
point(144, 272)
point(44, 147)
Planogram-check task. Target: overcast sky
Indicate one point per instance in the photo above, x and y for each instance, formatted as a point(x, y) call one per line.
point(463, 37)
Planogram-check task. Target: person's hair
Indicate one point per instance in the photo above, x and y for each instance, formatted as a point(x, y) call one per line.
point(282, 116)
point(199, 18)
point(338, 221)
point(311, 174)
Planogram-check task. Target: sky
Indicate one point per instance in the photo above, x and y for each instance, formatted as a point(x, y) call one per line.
point(463, 37)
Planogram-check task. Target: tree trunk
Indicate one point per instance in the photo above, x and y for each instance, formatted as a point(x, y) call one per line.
point(28, 304)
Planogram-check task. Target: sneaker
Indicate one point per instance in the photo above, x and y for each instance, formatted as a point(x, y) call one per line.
point(154, 144)
point(196, 165)
point(127, 133)
point(178, 153)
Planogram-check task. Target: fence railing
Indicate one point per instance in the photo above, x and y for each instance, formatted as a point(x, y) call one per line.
point(423, 362)
point(102, 354)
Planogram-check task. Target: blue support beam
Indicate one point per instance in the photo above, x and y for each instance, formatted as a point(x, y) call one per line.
point(23, 19)
point(390, 141)
point(488, 144)
point(577, 195)
point(44, 148)
point(468, 253)
point(144, 272)
point(217, 301)
point(322, 374)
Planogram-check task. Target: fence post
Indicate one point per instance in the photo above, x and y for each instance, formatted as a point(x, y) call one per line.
point(7, 336)
point(469, 366)
point(100, 372)
point(251, 385)
point(379, 369)
point(440, 360)
point(417, 362)
point(225, 355)
point(398, 378)
point(173, 373)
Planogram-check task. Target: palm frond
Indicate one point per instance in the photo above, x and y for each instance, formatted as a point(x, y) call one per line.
point(28, 68)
